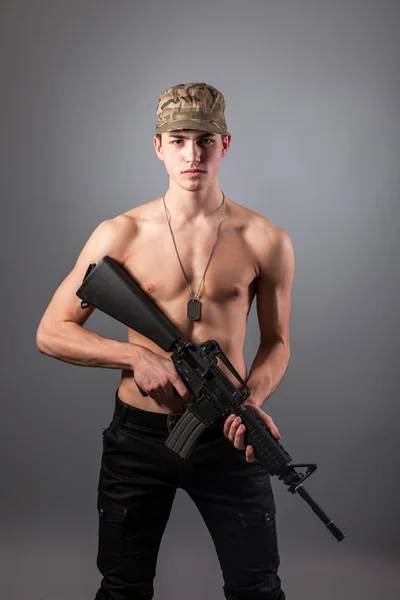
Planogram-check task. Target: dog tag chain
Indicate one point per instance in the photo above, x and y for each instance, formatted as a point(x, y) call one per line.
point(194, 304)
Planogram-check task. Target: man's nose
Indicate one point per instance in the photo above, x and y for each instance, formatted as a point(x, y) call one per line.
point(192, 151)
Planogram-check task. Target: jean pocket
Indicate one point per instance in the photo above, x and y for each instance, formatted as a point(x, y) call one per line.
point(259, 529)
point(256, 517)
point(112, 516)
point(260, 514)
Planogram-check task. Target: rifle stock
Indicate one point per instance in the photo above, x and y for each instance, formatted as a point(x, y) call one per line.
point(108, 287)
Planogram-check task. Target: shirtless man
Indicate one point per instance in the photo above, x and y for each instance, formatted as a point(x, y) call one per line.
point(191, 243)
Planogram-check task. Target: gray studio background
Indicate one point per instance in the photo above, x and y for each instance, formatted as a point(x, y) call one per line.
point(312, 102)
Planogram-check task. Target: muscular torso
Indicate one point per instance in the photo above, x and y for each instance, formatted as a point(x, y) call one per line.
point(226, 294)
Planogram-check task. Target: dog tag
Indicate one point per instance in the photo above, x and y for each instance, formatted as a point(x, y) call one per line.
point(193, 309)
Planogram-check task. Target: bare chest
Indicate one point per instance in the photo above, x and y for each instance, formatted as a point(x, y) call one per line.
point(168, 272)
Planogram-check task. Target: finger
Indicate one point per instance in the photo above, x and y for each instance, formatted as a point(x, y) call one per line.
point(181, 389)
point(158, 396)
point(275, 432)
point(174, 392)
point(239, 437)
point(272, 427)
point(228, 423)
point(250, 454)
point(233, 429)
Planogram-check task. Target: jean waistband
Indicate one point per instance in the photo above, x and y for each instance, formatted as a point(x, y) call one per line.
point(124, 412)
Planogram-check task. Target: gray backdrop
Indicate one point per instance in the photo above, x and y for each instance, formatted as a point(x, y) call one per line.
point(312, 94)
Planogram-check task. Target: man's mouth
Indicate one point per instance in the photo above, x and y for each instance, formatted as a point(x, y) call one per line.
point(194, 171)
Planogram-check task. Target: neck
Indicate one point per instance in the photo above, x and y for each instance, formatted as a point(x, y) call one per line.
point(187, 206)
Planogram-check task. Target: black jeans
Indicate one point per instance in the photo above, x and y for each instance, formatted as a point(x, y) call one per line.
point(138, 480)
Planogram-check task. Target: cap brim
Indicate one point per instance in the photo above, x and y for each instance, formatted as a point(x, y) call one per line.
point(191, 124)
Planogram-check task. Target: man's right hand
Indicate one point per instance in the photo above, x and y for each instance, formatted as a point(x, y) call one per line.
point(157, 376)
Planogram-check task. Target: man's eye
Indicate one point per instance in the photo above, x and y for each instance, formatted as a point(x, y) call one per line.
point(201, 141)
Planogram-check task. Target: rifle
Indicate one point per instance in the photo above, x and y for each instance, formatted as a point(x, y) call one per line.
point(108, 287)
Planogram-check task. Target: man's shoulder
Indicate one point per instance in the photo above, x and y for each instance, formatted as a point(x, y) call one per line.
point(119, 225)
point(255, 219)
point(261, 231)
point(113, 236)
point(268, 232)
point(142, 210)
point(267, 240)
point(127, 222)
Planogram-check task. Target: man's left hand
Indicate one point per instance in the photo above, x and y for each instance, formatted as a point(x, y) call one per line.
point(235, 431)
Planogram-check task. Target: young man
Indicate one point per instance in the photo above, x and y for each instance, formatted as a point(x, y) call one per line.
point(203, 258)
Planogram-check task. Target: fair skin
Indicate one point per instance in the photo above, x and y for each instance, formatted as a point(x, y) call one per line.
point(252, 258)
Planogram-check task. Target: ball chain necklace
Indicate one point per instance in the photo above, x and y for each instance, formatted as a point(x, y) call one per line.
point(194, 304)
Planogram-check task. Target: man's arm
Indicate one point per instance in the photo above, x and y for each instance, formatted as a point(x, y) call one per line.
point(273, 295)
point(273, 290)
point(61, 334)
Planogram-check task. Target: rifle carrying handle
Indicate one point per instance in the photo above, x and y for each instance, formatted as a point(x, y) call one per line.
point(267, 450)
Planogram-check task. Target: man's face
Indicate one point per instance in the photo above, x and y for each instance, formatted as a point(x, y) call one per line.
point(188, 150)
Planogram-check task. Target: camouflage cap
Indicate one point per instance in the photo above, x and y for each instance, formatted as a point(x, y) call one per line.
point(191, 106)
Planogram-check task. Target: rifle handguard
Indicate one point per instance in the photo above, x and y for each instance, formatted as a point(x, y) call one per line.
point(267, 450)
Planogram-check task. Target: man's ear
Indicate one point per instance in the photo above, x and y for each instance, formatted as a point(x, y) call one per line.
point(158, 148)
point(225, 144)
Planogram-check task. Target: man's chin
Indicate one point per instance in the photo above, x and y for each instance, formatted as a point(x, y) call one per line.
point(195, 183)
